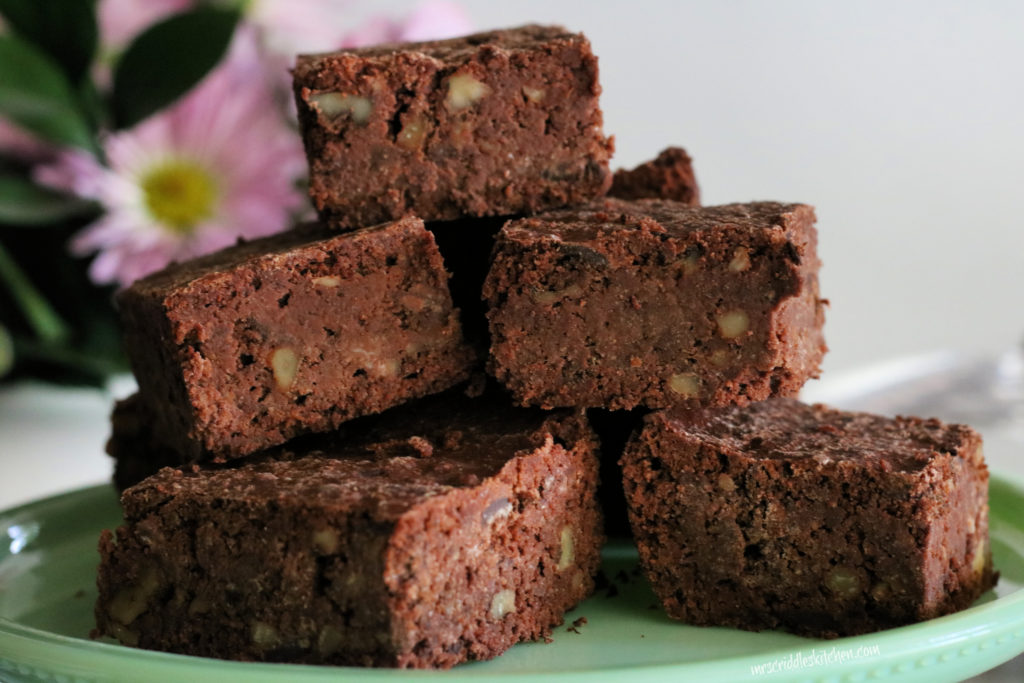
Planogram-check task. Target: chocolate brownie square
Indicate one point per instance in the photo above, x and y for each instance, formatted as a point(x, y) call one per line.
point(669, 176)
point(495, 123)
point(253, 345)
point(442, 531)
point(652, 303)
point(789, 516)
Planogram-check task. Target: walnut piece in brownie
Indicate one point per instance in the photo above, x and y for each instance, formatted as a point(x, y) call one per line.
point(652, 303)
point(782, 515)
point(669, 176)
point(442, 531)
point(253, 345)
point(495, 123)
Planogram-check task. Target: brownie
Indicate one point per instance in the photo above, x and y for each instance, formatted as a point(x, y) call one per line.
point(495, 123)
point(782, 515)
point(253, 345)
point(136, 452)
point(652, 303)
point(442, 531)
point(669, 176)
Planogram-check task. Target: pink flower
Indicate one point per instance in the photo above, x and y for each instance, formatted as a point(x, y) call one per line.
point(121, 20)
point(431, 20)
point(18, 143)
point(295, 26)
point(218, 165)
point(277, 31)
point(288, 27)
point(434, 20)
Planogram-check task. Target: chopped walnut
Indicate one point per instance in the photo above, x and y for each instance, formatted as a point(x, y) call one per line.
point(740, 260)
point(285, 364)
point(327, 281)
point(334, 105)
point(329, 641)
point(545, 296)
point(733, 323)
point(264, 635)
point(979, 561)
point(535, 95)
point(503, 603)
point(413, 133)
point(568, 549)
point(326, 541)
point(465, 90)
point(685, 384)
point(132, 600)
point(843, 582)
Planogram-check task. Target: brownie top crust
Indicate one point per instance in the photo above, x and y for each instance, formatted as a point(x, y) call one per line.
point(600, 219)
point(272, 250)
point(380, 465)
point(451, 52)
point(786, 429)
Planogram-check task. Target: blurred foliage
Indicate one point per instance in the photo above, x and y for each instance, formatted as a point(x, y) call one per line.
point(55, 324)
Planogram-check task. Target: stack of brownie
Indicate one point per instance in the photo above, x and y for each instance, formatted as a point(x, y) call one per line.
point(316, 469)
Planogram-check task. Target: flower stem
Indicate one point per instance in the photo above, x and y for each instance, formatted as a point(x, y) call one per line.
point(6, 351)
point(89, 364)
point(48, 326)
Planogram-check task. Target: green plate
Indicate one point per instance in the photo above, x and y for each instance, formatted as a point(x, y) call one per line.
point(48, 561)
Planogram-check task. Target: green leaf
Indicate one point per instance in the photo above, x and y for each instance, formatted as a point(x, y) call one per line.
point(36, 95)
point(72, 365)
point(6, 351)
point(64, 29)
point(168, 59)
point(22, 203)
point(45, 321)
point(93, 105)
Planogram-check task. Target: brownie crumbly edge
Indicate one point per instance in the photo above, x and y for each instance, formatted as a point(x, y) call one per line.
point(668, 176)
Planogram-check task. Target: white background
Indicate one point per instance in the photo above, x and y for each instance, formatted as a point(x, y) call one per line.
point(900, 121)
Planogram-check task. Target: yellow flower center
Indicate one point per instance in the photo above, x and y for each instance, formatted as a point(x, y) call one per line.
point(179, 194)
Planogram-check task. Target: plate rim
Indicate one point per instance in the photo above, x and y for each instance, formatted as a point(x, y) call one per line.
point(1001, 635)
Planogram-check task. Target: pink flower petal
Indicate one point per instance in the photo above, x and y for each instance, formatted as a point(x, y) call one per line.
point(434, 20)
point(231, 125)
point(121, 20)
point(431, 20)
point(18, 143)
